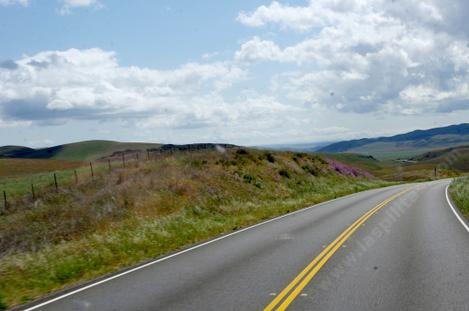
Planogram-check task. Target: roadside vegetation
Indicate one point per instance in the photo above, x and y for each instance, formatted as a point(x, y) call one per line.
point(127, 215)
point(459, 190)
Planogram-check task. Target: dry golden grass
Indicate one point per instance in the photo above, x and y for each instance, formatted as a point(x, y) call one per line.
point(22, 167)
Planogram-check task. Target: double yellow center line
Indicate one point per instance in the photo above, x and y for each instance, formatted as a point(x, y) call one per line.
point(301, 280)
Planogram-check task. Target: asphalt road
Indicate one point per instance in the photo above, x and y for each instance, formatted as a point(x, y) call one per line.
point(411, 254)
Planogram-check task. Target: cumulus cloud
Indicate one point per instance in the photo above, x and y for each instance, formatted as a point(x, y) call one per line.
point(257, 49)
point(14, 2)
point(322, 13)
point(69, 5)
point(406, 57)
point(90, 84)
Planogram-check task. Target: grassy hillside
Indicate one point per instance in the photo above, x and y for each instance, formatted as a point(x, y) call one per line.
point(405, 145)
point(459, 190)
point(149, 208)
point(455, 158)
point(390, 150)
point(409, 149)
point(358, 160)
point(86, 150)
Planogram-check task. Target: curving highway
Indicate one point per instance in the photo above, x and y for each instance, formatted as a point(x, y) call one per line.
point(396, 248)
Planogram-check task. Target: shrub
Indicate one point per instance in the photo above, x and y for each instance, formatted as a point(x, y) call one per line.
point(311, 170)
point(269, 156)
point(318, 159)
point(199, 163)
point(248, 178)
point(242, 152)
point(284, 173)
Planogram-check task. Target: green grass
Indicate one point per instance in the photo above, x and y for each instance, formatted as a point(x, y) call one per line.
point(20, 186)
point(84, 150)
point(459, 190)
point(91, 150)
point(126, 216)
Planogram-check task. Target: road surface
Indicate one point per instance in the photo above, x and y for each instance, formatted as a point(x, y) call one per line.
point(397, 248)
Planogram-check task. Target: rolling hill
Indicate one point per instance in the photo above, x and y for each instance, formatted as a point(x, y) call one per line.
point(98, 150)
point(406, 145)
point(80, 151)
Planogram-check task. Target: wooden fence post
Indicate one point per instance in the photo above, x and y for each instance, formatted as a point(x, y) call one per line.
point(76, 176)
point(33, 192)
point(92, 172)
point(55, 182)
point(109, 164)
point(5, 202)
point(148, 155)
point(123, 159)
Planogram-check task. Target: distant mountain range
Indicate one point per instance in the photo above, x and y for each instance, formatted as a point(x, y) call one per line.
point(404, 145)
point(297, 146)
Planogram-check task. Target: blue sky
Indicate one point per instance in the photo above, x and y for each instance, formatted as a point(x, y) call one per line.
point(246, 72)
point(145, 33)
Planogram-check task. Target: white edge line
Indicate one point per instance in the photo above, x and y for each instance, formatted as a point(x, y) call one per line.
point(188, 250)
point(454, 210)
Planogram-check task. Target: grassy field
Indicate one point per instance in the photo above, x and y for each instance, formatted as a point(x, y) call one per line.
point(17, 184)
point(459, 190)
point(28, 167)
point(129, 215)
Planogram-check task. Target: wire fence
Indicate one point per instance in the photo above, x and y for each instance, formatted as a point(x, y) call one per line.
point(56, 180)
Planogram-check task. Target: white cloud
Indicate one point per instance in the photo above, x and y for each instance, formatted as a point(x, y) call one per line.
point(14, 2)
point(362, 56)
point(202, 100)
point(69, 5)
point(56, 86)
point(322, 13)
point(259, 50)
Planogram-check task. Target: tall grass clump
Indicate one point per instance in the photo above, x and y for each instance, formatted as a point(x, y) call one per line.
point(459, 190)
